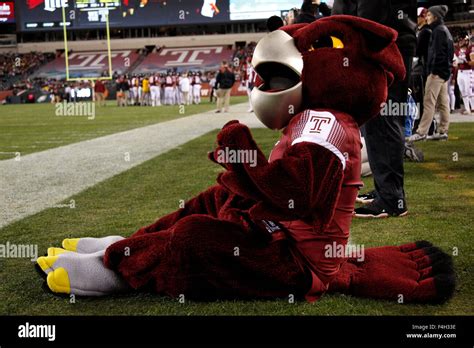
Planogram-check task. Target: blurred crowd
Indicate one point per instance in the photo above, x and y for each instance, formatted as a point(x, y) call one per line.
point(20, 65)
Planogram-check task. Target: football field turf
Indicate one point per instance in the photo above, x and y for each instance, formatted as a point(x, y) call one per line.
point(31, 128)
point(440, 202)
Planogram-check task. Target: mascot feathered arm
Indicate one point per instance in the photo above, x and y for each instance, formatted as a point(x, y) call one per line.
point(303, 184)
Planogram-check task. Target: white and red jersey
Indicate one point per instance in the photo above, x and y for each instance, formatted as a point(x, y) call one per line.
point(168, 81)
point(463, 56)
point(338, 133)
point(135, 82)
point(249, 75)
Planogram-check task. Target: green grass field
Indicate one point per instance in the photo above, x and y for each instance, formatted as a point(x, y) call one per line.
point(31, 128)
point(440, 197)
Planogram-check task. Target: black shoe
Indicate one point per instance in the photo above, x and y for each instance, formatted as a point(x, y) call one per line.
point(218, 111)
point(366, 198)
point(374, 211)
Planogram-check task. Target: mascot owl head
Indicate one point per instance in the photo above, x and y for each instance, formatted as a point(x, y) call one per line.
point(341, 63)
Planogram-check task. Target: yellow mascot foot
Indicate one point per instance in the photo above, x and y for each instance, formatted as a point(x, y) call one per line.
point(46, 263)
point(58, 281)
point(71, 243)
point(80, 274)
point(57, 251)
point(89, 245)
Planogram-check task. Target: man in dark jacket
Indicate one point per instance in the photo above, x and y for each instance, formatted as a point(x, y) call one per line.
point(384, 135)
point(224, 82)
point(439, 67)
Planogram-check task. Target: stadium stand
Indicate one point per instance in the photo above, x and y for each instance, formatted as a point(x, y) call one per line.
point(179, 59)
point(88, 64)
point(17, 67)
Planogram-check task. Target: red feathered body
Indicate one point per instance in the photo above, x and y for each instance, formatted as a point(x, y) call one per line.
point(264, 229)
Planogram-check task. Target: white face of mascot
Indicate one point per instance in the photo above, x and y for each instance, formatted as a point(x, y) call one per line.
point(279, 65)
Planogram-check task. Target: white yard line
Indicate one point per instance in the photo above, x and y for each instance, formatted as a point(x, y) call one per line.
point(42, 180)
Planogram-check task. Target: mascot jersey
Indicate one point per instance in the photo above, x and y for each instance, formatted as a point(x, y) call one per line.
point(338, 133)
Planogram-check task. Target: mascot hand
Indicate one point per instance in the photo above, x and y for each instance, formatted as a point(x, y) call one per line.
point(415, 272)
point(233, 137)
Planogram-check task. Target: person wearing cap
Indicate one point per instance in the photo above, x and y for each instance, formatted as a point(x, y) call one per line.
point(439, 67)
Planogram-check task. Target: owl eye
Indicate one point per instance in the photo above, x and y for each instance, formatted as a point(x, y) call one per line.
point(327, 41)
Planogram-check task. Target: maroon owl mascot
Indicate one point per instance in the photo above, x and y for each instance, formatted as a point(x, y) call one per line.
point(272, 228)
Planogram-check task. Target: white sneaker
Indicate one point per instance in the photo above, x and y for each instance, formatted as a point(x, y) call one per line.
point(440, 136)
point(415, 137)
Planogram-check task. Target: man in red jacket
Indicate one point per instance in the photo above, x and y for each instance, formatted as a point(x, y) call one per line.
point(99, 93)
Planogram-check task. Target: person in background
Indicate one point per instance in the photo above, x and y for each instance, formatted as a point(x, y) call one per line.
point(169, 87)
point(273, 23)
point(419, 71)
point(224, 82)
point(176, 93)
point(310, 11)
point(423, 37)
point(291, 16)
point(135, 90)
point(212, 85)
point(126, 90)
point(197, 88)
point(145, 99)
point(465, 65)
point(452, 87)
point(74, 91)
point(155, 90)
point(439, 65)
point(248, 80)
point(191, 87)
point(384, 135)
point(119, 91)
point(184, 87)
point(99, 93)
point(67, 92)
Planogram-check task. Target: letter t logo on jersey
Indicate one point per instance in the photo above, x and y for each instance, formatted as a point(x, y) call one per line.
point(318, 122)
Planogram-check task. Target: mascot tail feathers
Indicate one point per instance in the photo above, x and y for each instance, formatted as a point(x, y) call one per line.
point(416, 272)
